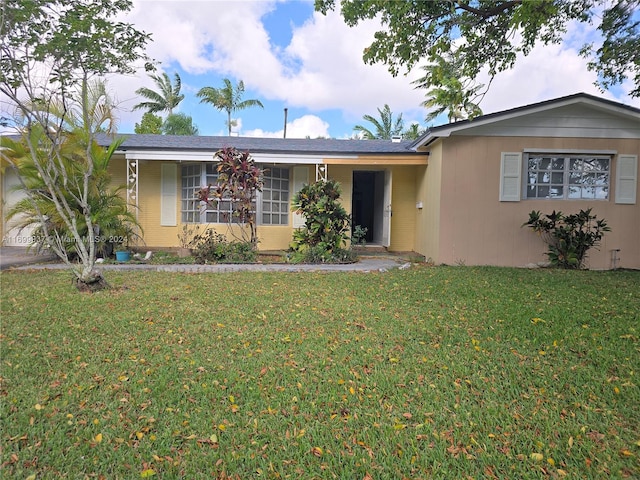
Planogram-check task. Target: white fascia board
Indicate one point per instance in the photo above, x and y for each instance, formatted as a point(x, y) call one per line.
point(169, 156)
point(181, 156)
point(295, 159)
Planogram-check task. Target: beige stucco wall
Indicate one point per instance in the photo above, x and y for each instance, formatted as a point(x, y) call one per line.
point(428, 190)
point(477, 229)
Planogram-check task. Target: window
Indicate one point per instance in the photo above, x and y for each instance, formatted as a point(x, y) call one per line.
point(272, 202)
point(275, 197)
point(567, 176)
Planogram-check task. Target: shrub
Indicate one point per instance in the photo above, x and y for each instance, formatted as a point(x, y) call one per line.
point(359, 235)
point(327, 223)
point(318, 254)
point(213, 247)
point(569, 237)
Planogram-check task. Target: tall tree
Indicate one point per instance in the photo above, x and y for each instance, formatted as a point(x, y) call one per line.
point(49, 51)
point(491, 33)
point(150, 123)
point(227, 98)
point(451, 92)
point(166, 99)
point(179, 124)
point(413, 132)
point(384, 127)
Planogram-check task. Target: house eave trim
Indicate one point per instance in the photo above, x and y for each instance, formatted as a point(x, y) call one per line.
point(173, 156)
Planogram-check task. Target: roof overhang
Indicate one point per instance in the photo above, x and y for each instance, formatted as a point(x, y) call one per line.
point(448, 130)
point(207, 156)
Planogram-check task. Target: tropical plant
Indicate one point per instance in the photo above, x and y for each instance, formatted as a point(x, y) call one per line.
point(179, 124)
point(384, 128)
point(569, 237)
point(413, 132)
point(213, 247)
point(239, 179)
point(451, 92)
point(112, 220)
point(359, 235)
point(326, 224)
point(49, 52)
point(227, 98)
point(150, 123)
point(166, 99)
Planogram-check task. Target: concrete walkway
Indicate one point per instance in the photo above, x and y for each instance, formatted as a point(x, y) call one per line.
point(19, 258)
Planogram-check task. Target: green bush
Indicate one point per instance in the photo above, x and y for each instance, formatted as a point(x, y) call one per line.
point(322, 238)
point(318, 254)
point(569, 237)
point(213, 247)
point(359, 235)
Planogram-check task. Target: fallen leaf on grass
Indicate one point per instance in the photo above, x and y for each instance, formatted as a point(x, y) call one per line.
point(316, 451)
point(536, 457)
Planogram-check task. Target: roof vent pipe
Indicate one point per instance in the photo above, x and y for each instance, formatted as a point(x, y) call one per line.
point(396, 138)
point(286, 110)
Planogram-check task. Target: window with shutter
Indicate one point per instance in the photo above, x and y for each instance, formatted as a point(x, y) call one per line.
point(626, 179)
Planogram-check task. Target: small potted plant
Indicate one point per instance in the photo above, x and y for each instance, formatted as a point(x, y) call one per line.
point(123, 255)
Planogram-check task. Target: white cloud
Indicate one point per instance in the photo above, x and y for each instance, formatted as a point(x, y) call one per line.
point(306, 126)
point(322, 67)
point(548, 72)
point(229, 38)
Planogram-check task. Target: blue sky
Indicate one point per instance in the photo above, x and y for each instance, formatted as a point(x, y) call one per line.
point(289, 56)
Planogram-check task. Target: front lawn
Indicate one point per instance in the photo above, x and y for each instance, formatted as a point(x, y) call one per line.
point(431, 372)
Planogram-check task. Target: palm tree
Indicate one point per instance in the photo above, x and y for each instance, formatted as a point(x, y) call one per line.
point(385, 127)
point(413, 132)
point(166, 99)
point(450, 91)
point(227, 98)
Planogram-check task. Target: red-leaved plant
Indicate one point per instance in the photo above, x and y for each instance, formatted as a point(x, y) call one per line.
point(239, 179)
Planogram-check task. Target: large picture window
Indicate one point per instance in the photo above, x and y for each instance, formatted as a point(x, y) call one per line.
point(272, 203)
point(568, 176)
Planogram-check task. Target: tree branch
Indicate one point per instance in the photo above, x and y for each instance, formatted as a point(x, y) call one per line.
point(489, 12)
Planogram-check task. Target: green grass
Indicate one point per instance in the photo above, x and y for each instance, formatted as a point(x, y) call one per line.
point(442, 372)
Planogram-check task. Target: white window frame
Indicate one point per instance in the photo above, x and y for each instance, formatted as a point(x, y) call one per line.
point(563, 176)
point(194, 211)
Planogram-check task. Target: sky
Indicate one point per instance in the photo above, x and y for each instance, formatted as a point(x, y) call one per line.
point(290, 56)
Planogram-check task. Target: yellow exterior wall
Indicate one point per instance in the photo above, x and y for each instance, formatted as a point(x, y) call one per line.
point(272, 237)
point(403, 200)
point(403, 205)
point(478, 229)
point(428, 191)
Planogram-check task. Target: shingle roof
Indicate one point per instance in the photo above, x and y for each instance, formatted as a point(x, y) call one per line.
point(577, 97)
point(260, 145)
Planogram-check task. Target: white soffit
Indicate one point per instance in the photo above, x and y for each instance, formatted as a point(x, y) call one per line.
point(182, 156)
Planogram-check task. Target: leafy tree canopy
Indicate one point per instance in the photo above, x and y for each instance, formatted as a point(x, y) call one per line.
point(150, 123)
point(490, 33)
point(50, 50)
point(179, 124)
point(67, 36)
